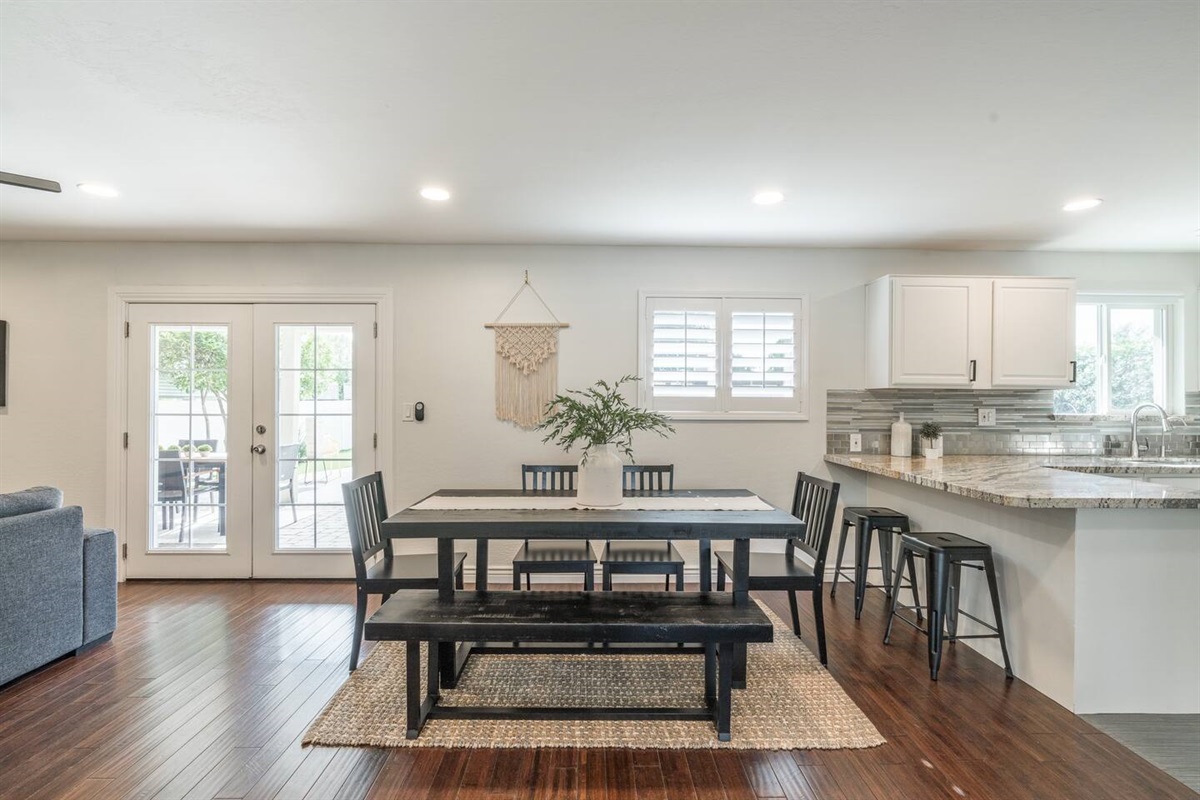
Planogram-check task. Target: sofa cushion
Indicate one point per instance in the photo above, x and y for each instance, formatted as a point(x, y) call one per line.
point(27, 501)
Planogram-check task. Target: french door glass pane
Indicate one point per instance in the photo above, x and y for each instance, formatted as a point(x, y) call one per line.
point(187, 471)
point(314, 404)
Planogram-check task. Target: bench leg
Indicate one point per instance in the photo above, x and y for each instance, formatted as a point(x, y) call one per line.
point(412, 687)
point(432, 684)
point(710, 675)
point(725, 659)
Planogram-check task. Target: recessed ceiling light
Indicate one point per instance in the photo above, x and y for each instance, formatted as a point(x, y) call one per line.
point(768, 198)
point(98, 189)
point(1082, 204)
point(435, 193)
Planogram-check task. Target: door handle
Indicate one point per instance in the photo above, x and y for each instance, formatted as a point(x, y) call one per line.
point(1074, 370)
point(972, 373)
point(259, 448)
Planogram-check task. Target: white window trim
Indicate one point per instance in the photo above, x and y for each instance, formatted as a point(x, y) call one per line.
point(1173, 336)
point(801, 414)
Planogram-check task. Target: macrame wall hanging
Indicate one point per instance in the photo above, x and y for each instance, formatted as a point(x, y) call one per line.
point(526, 364)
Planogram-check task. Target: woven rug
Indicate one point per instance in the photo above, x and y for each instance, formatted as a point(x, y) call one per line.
point(790, 702)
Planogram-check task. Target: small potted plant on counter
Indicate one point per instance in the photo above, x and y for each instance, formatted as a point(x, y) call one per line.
point(603, 421)
point(931, 440)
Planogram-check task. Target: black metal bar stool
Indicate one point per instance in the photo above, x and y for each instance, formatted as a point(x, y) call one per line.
point(945, 555)
point(865, 521)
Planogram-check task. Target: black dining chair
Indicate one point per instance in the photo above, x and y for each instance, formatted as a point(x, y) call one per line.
point(658, 557)
point(288, 454)
point(365, 510)
point(554, 555)
point(815, 502)
point(172, 490)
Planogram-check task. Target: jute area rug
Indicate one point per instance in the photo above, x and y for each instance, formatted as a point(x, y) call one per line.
point(790, 702)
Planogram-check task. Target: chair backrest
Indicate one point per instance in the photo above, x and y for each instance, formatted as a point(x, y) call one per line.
point(366, 508)
point(548, 477)
point(212, 443)
point(288, 454)
point(815, 502)
point(170, 472)
point(653, 477)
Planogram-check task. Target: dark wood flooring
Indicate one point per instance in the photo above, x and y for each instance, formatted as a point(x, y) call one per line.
point(207, 688)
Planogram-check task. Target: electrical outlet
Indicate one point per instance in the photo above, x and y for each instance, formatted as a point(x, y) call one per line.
point(987, 417)
point(406, 412)
point(856, 443)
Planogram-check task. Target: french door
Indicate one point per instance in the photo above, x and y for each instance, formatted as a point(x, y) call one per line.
point(243, 422)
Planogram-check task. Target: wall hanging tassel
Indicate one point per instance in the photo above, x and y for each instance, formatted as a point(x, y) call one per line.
point(526, 364)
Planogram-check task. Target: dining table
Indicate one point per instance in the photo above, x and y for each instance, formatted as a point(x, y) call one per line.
point(700, 515)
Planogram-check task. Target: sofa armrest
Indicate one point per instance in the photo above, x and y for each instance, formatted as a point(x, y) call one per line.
point(99, 584)
point(41, 588)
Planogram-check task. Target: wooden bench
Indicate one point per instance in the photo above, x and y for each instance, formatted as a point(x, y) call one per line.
point(537, 617)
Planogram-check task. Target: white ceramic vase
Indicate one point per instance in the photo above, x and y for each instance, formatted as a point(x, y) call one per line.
point(931, 448)
point(600, 477)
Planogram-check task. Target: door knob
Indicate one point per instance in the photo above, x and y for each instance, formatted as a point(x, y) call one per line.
point(259, 448)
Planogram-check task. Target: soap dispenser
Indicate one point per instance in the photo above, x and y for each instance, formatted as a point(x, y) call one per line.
point(901, 438)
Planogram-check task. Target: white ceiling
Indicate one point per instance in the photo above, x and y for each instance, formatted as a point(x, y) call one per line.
point(897, 123)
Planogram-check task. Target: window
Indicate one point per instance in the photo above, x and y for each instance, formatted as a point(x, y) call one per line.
point(1123, 349)
point(724, 356)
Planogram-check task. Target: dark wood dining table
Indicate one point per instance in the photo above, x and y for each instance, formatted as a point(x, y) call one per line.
point(703, 525)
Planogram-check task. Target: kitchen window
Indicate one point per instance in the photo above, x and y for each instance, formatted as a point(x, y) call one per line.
point(724, 356)
point(1123, 346)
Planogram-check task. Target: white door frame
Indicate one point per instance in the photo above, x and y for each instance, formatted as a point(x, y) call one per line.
point(121, 297)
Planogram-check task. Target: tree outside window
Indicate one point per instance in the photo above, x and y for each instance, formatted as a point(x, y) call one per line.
point(1121, 354)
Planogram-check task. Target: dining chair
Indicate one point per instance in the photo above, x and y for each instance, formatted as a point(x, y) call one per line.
point(554, 555)
point(657, 557)
point(288, 454)
point(366, 508)
point(203, 481)
point(815, 502)
point(172, 490)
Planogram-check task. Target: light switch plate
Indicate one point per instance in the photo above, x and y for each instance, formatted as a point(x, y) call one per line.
point(987, 417)
point(856, 443)
point(406, 412)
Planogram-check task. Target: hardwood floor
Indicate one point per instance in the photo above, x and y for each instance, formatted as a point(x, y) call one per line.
point(207, 687)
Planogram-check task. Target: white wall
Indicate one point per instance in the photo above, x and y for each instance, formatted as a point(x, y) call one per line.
point(55, 299)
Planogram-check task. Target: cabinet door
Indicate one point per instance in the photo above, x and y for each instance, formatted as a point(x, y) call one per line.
point(1033, 332)
point(940, 331)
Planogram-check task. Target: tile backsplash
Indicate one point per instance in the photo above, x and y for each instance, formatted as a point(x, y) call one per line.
point(1025, 423)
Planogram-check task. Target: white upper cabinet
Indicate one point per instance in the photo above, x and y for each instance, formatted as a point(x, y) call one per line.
point(1033, 332)
point(970, 332)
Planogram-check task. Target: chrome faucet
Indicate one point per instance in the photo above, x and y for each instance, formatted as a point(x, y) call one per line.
point(1133, 430)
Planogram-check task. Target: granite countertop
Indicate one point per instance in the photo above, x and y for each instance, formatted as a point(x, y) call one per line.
point(1035, 481)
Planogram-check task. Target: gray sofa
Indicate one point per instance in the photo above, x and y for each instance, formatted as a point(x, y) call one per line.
point(58, 581)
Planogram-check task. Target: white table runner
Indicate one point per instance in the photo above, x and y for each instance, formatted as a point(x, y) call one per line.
point(451, 503)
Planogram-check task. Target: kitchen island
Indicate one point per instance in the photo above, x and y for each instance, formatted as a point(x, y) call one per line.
point(1099, 567)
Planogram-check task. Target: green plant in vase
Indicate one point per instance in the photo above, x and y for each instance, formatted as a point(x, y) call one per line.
point(931, 439)
point(603, 422)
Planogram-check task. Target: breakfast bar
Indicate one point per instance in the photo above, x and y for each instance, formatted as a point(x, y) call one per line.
point(1099, 573)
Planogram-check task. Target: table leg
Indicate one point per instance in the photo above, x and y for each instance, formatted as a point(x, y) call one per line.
point(706, 565)
point(741, 597)
point(446, 650)
point(481, 565)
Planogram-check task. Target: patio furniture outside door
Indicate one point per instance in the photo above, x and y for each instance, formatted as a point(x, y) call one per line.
point(227, 398)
